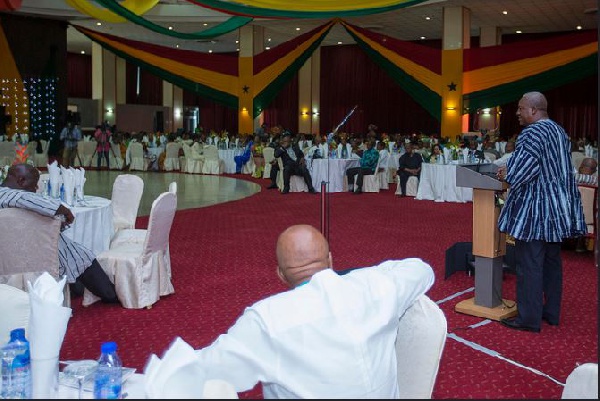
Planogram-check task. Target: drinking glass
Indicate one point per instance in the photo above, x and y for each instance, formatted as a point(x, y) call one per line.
point(80, 370)
point(8, 356)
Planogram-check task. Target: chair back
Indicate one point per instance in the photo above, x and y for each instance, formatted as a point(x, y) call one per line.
point(211, 152)
point(187, 150)
point(419, 345)
point(160, 222)
point(29, 248)
point(173, 187)
point(14, 311)
point(172, 150)
point(268, 156)
point(137, 149)
point(589, 201)
point(582, 383)
point(126, 196)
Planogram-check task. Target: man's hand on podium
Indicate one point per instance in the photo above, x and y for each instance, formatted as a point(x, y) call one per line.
point(501, 173)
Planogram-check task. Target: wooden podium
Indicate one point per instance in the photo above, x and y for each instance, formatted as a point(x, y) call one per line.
point(489, 244)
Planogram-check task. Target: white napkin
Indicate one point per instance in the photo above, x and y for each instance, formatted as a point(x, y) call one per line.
point(79, 182)
point(179, 374)
point(447, 154)
point(54, 178)
point(69, 185)
point(48, 321)
point(465, 153)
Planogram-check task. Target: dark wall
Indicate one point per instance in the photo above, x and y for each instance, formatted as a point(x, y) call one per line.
point(39, 48)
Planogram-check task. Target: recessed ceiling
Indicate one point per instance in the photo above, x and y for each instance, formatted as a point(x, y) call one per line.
point(413, 23)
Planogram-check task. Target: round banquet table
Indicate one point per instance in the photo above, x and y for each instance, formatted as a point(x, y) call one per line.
point(93, 225)
point(438, 183)
point(332, 171)
point(227, 156)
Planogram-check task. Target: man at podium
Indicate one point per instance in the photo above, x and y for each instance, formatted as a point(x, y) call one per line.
point(543, 208)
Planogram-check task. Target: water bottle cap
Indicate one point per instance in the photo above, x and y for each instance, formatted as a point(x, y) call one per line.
point(17, 334)
point(108, 347)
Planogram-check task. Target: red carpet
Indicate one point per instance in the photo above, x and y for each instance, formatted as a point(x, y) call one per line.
point(223, 259)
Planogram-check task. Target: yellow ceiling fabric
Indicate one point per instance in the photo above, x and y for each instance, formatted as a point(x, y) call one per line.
point(137, 7)
point(489, 77)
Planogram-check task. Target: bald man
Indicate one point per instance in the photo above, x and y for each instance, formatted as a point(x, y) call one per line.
point(329, 336)
point(587, 172)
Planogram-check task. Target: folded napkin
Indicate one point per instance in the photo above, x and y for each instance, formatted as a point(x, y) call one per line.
point(47, 327)
point(465, 153)
point(68, 184)
point(447, 154)
point(179, 374)
point(54, 178)
point(79, 182)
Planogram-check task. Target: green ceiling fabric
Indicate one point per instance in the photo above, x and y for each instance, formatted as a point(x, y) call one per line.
point(231, 24)
point(306, 8)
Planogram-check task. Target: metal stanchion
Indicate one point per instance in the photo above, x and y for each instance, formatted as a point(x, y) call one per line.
point(324, 210)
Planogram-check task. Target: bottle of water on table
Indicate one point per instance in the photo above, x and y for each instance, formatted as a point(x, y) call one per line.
point(16, 367)
point(108, 379)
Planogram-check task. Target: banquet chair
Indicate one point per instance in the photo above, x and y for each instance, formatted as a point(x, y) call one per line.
point(126, 195)
point(114, 157)
point(37, 238)
point(420, 343)
point(297, 183)
point(192, 161)
point(249, 167)
point(412, 186)
point(582, 383)
point(138, 161)
point(371, 183)
point(589, 200)
point(41, 159)
point(212, 163)
point(172, 156)
point(268, 156)
point(7, 153)
point(86, 151)
point(141, 272)
point(14, 310)
point(173, 187)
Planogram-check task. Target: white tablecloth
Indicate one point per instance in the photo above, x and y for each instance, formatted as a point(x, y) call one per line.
point(332, 171)
point(93, 225)
point(438, 183)
point(227, 155)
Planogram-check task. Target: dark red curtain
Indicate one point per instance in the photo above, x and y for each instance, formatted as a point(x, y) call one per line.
point(284, 109)
point(79, 75)
point(349, 78)
point(212, 116)
point(150, 89)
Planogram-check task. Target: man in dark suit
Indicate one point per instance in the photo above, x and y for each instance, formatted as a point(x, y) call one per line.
point(293, 163)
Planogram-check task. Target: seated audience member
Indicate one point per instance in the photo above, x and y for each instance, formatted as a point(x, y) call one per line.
point(588, 172)
point(319, 149)
point(344, 149)
point(437, 156)
point(368, 164)
point(241, 160)
point(293, 164)
point(384, 156)
point(577, 153)
point(409, 165)
point(489, 146)
point(75, 261)
point(329, 336)
point(509, 148)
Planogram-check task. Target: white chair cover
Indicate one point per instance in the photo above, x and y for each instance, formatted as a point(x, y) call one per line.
point(383, 179)
point(142, 272)
point(589, 198)
point(116, 161)
point(419, 346)
point(582, 383)
point(172, 156)
point(297, 183)
point(193, 161)
point(138, 161)
point(268, 155)
point(173, 187)
point(249, 167)
point(7, 153)
point(41, 159)
point(212, 163)
point(126, 196)
point(412, 186)
point(371, 183)
point(86, 152)
point(14, 311)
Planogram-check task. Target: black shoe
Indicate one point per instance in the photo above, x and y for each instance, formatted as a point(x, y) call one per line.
point(549, 321)
point(358, 191)
point(285, 191)
point(272, 186)
point(312, 191)
point(513, 324)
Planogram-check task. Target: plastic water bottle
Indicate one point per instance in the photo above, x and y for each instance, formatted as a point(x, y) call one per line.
point(62, 192)
point(19, 369)
point(108, 378)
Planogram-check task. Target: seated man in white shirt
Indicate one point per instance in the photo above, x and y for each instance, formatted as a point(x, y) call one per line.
point(329, 336)
point(509, 148)
point(384, 156)
point(318, 150)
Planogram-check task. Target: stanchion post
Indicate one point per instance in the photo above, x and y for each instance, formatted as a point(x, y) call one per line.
point(324, 211)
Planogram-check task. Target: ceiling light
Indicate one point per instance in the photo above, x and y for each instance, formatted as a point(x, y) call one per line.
point(269, 39)
point(505, 12)
point(170, 28)
point(423, 37)
point(579, 27)
point(518, 31)
point(428, 18)
point(177, 45)
point(267, 48)
point(237, 41)
point(205, 24)
point(339, 43)
point(297, 29)
point(210, 51)
point(98, 23)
